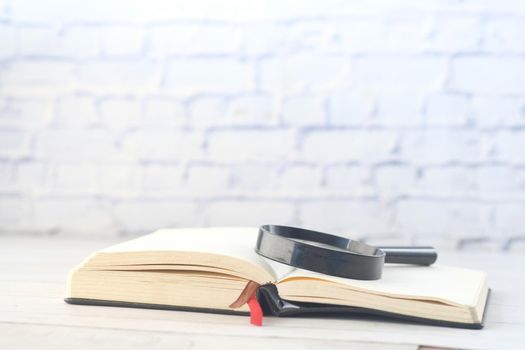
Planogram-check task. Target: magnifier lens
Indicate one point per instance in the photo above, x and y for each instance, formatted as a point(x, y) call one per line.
point(334, 255)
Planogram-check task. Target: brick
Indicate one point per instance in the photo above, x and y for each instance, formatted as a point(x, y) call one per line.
point(497, 111)
point(15, 214)
point(93, 11)
point(75, 111)
point(14, 143)
point(334, 36)
point(407, 32)
point(295, 9)
point(36, 75)
point(298, 180)
point(118, 179)
point(123, 41)
point(207, 181)
point(33, 177)
point(445, 36)
point(25, 112)
point(38, 40)
point(439, 146)
point(304, 111)
point(168, 10)
point(78, 42)
point(441, 242)
point(82, 41)
point(351, 108)
point(497, 181)
point(356, 36)
point(392, 239)
point(146, 215)
point(312, 35)
point(253, 178)
point(516, 244)
point(220, 75)
point(446, 109)
point(229, 10)
point(74, 216)
point(354, 218)
point(508, 217)
point(383, 73)
point(248, 213)
point(485, 6)
point(447, 181)
point(74, 179)
point(518, 175)
point(198, 38)
point(4, 10)
point(8, 40)
point(484, 244)
point(248, 145)
point(487, 74)
point(6, 176)
point(163, 145)
point(348, 180)
point(399, 109)
point(259, 38)
point(394, 180)
point(120, 113)
point(509, 146)
point(300, 73)
point(453, 219)
point(163, 179)
point(504, 35)
point(266, 104)
point(122, 75)
point(163, 111)
point(349, 146)
point(209, 111)
point(60, 10)
point(235, 10)
point(76, 145)
point(28, 11)
point(251, 110)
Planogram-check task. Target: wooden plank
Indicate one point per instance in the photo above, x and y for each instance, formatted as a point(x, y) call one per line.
point(52, 311)
point(31, 306)
point(43, 337)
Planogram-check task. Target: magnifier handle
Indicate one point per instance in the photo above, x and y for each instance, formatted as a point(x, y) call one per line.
point(410, 255)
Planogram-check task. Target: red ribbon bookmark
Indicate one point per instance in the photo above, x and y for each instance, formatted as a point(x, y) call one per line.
point(256, 314)
point(249, 296)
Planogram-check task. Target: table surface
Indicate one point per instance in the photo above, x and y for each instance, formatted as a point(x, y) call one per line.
point(33, 314)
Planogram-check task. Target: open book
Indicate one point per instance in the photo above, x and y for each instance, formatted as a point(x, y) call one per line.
point(206, 269)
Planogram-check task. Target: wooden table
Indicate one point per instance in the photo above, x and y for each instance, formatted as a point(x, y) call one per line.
point(33, 314)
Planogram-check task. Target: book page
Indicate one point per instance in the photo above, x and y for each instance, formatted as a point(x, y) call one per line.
point(449, 284)
point(236, 242)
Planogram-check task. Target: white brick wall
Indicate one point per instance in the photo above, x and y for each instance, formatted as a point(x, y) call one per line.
point(397, 121)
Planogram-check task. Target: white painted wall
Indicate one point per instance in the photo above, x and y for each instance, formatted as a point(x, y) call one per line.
point(398, 121)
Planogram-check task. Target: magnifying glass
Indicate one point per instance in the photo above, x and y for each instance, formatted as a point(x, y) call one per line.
point(334, 255)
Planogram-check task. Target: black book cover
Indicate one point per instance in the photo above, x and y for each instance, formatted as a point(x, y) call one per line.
point(273, 305)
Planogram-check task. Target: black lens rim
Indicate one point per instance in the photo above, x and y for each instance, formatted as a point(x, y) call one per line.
point(339, 256)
